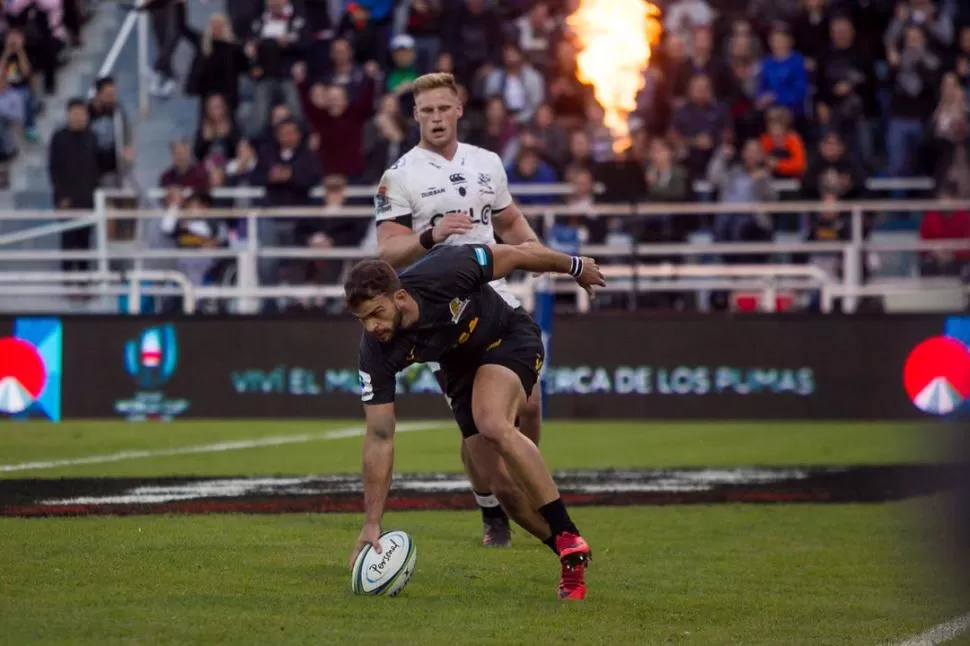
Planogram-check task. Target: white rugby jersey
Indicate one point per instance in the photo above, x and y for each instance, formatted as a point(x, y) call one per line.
point(426, 186)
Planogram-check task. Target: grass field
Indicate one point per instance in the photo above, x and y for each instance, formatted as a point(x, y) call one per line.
point(697, 574)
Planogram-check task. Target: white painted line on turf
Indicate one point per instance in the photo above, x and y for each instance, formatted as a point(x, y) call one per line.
point(941, 633)
point(220, 447)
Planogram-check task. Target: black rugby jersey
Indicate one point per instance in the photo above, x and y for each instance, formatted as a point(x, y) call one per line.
point(460, 317)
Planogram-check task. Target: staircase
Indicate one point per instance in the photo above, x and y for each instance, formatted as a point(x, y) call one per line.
point(166, 119)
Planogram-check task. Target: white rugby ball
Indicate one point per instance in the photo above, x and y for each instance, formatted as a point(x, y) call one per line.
point(387, 573)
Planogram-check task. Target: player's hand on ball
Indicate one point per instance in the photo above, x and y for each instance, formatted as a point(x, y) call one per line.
point(451, 224)
point(591, 277)
point(369, 535)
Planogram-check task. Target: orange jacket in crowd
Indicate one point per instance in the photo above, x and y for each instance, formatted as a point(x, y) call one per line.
point(790, 155)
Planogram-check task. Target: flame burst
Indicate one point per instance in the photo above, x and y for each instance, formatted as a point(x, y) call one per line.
point(615, 39)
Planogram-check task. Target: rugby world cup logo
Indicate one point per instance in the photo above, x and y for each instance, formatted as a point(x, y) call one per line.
point(937, 371)
point(151, 358)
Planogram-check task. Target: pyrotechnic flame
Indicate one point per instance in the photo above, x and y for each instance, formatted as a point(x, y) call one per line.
point(615, 38)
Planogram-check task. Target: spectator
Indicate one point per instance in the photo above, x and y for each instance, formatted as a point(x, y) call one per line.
point(321, 30)
point(168, 26)
point(279, 43)
point(343, 70)
point(474, 38)
point(922, 15)
point(289, 170)
point(829, 225)
point(536, 31)
point(961, 60)
point(41, 21)
point(424, 21)
point(364, 32)
point(953, 106)
point(589, 227)
point(699, 126)
point(11, 116)
point(498, 132)
point(401, 76)
point(600, 137)
point(333, 230)
point(218, 63)
point(552, 142)
point(783, 145)
point(567, 95)
point(267, 136)
point(73, 167)
point(111, 126)
point(738, 85)
point(243, 14)
point(784, 81)
point(683, 16)
point(338, 123)
point(530, 169)
point(676, 63)
point(953, 158)
point(744, 181)
point(185, 172)
point(811, 32)
point(384, 139)
point(580, 153)
point(517, 83)
point(240, 173)
point(190, 232)
point(16, 70)
point(846, 81)
point(666, 180)
point(914, 78)
point(700, 61)
point(834, 171)
point(217, 135)
point(945, 224)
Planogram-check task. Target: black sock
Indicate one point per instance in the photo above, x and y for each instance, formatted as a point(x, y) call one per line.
point(551, 544)
point(489, 505)
point(556, 515)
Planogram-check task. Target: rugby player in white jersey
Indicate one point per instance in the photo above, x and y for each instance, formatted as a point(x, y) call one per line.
point(444, 192)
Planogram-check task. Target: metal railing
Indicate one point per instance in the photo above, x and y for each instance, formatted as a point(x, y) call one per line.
point(629, 267)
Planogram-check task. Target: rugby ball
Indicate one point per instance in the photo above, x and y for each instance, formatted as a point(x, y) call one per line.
point(387, 573)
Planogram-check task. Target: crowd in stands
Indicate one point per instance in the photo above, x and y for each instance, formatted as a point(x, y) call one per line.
point(739, 94)
point(37, 38)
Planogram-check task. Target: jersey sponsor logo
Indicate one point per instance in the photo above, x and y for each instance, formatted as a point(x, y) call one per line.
point(457, 307)
point(484, 215)
point(481, 257)
point(457, 178)
point(366, 386)
point(381, 203)
point(432, 192)
point(410, 356)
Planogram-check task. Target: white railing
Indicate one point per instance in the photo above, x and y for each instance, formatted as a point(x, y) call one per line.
point(135, 18)
point(693, 274)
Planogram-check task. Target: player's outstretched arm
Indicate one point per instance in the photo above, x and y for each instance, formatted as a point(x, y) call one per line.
point(378, 464)
point(399, 246)
point(539, 259)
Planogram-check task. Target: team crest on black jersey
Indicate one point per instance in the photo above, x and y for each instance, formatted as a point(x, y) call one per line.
point(457, 308)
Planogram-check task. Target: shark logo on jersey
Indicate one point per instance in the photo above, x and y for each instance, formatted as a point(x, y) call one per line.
point(485, 184)
point(457, 307)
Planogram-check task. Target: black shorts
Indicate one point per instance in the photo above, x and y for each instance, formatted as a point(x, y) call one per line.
point(519, 349)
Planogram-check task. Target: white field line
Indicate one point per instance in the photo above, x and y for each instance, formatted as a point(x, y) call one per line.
point(220, 447)
point(941, 633)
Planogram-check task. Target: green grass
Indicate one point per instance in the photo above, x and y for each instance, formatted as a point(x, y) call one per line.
point(690, 575)
point(718, 574)
point(565, 445)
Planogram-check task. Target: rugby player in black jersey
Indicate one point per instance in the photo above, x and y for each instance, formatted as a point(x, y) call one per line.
point(442, 309)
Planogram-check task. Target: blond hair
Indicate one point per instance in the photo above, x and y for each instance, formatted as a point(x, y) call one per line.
point(434, 81)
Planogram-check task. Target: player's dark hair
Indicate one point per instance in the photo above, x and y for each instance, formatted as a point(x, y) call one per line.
point(369, 279)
